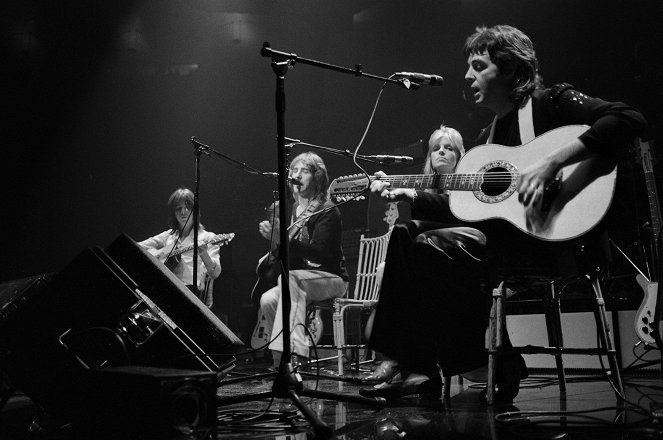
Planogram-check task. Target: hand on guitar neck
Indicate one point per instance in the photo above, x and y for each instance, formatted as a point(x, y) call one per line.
point(271, 233)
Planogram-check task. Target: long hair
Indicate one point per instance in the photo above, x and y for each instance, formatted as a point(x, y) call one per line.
point(512, 51)
point(180, 195)
point(456, 142)
point(319, 170)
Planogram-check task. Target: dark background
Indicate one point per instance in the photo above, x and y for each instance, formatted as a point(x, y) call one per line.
point(100, 98)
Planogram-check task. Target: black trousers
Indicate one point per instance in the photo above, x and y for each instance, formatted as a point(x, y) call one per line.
point(432, 309)
point(435, 294)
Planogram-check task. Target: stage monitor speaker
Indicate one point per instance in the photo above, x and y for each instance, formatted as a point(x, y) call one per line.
point(173, 297)
point(147, 403)
point(91, 315)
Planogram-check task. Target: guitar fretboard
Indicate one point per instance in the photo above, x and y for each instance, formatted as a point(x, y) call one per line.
point(218, 239)
point(441, 181)
point(652, 196)
point(458, 181)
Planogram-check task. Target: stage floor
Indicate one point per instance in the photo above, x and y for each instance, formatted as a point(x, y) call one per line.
point(590, 411)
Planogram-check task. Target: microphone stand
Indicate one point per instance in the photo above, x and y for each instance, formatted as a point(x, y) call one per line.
point(200, 148)
point(243, 166)
point(346, 152)
point(288, 382)
point(196, 223)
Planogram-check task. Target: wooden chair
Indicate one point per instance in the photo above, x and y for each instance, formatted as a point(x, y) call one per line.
point(372, 252)
point(586, 275)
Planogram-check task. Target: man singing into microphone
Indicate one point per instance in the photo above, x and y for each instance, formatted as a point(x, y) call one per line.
point(502, 72)
point(317, 266)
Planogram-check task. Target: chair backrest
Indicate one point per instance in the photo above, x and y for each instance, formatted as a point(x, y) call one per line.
point(372, 252)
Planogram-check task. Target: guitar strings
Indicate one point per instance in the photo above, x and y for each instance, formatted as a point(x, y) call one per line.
point(499, 178)
point(428, 177)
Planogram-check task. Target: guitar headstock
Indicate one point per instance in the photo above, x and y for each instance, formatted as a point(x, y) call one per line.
point(222, 239)
point(347, 187)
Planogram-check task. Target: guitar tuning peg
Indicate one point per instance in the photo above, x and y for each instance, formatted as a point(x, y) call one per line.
point(361, 198)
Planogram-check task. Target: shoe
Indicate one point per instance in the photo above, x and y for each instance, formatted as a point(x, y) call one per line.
point(428, 389)
point(384, 372)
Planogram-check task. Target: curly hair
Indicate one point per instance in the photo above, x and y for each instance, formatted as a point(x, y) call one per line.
point(512, 51)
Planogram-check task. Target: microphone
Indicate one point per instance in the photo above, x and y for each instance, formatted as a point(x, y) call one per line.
point(421, 78)
point(290, 180)
point(387, 159)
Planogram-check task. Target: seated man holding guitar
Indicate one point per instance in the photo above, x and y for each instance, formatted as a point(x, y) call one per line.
point(317, 265)
point(167, 246)
point(550, 182)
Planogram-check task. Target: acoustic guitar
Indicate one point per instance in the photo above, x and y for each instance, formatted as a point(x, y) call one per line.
point(485, 182)
point(269, 269)
point(172, 259)
point(269, 265)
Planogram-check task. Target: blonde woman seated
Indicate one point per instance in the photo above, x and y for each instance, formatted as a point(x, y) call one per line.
point(392, 333)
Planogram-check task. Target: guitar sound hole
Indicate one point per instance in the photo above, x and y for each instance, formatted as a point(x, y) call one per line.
point(496, 181)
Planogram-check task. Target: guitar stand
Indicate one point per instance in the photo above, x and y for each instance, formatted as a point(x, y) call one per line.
point(287, 381)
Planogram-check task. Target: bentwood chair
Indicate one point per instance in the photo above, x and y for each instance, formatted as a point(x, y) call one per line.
point(372, 252)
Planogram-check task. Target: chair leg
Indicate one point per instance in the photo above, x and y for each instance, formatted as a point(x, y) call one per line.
point(339, 336)
point(495, 329)
point(555, 338)
point(604, 332)
point(447, 387)
point(355, 350)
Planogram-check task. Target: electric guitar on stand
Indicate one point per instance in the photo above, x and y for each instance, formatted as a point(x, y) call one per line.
point(648, 318)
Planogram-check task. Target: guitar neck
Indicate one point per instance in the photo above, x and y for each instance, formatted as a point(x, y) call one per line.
point(654, 208)
point(182, 250)
point(647, 158)
point(460, 181)
point(216, 240)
